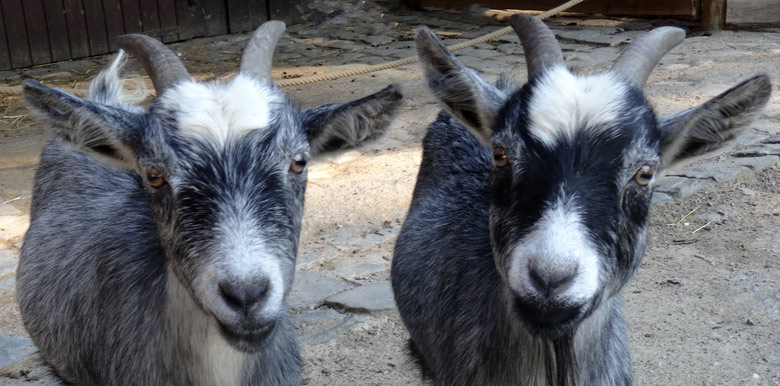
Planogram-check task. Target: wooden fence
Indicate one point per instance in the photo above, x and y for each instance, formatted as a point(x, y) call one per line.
point(43, 31)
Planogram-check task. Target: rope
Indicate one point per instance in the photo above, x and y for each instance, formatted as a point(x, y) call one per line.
point(16, 90)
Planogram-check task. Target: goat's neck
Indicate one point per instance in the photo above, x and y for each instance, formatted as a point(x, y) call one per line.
point(197, 347)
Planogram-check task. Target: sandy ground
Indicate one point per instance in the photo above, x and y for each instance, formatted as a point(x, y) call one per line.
point(704, 308)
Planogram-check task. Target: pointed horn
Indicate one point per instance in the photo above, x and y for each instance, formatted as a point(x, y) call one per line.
point(539, 44)
point(256, 60)
point(162, 65)
point(640, 58)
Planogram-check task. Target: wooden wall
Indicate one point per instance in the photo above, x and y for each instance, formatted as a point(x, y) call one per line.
point(43, 31)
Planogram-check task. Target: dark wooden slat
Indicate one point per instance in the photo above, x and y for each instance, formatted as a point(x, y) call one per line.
point(150, 17)
point(18, 46)
point(189, 17)
point(5, 58)
point(58, 30)
point(713, 14)
point(167, 10)
point(77, 28)
point(238, 16)
point(132, 15)
point(258, 12)
point(214, 17)
point(280, 10)
point(115, 26)
point(37, 33)
point(96, 27)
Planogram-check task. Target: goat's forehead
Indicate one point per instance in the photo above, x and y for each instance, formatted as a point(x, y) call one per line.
point(219, 112)
point(562, 105)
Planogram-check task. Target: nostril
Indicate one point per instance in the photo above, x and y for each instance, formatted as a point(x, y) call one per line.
point(548, 282)
point(245, 295)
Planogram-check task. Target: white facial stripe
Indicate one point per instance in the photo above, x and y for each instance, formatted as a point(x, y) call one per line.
point(247, 255)
point(563, 103)
point(217, 112)
point(558, 241)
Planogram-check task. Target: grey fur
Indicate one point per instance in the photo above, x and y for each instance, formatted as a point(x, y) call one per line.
point(124, 283)
point(452, 269)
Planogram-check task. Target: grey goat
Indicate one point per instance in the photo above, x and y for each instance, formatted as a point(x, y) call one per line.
point(162, 242)
point(530, 212)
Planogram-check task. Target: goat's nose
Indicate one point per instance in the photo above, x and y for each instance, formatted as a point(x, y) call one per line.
point(245, 295)
point(549, 282)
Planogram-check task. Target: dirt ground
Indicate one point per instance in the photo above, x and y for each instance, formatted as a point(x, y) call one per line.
point(704, 308)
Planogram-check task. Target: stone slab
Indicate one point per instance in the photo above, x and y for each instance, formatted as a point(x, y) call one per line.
point(8, 262)
point(6, 209)
point(758, 163)
point(759, 150)
point(719, 171)
point(320, 325)
point(681, 187)
point(14, 348)
point(309, 289)
point(661, 198)
point(370, 297)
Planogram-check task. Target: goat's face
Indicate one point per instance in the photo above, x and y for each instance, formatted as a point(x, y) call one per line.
point(223, 167)
point(575, 159)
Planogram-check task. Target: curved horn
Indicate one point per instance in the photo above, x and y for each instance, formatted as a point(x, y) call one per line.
point(256, 60)
point(162, 65)
point(539, 44)
point(638, 60)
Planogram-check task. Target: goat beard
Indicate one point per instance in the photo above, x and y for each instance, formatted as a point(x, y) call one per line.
point(560, 361)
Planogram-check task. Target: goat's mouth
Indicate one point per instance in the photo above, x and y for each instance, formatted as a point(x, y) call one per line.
point(550, 319)
point(246, 339)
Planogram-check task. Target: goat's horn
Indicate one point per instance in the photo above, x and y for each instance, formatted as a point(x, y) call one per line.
point(162, 65)
point(638, 59)
point(539, 44)
point(260, 50)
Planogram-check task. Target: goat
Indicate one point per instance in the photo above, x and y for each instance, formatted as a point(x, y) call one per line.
point(162, 242)
point(511, 274)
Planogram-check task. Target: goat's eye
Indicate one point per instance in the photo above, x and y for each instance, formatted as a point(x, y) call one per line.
point(644, 175)
point(500, 159)
point(155, 178)
point(298, 163)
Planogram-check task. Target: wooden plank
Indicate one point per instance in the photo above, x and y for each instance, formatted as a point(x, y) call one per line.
point(189, 17)
point(16, 33)
point(280, 10)
point(214, 17)
point(167, 9)
point(676, 8)
point(131, 13)
point(96, 27)
point(752, 11)
point(77, 28)
point(238, 16)
point(258, 13)
point(115, 26)
point(37, 33)
point(150, 17)
point(5, 57)
point(713, 15)
point(58, 30)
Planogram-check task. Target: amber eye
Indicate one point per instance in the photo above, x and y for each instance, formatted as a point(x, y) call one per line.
point(644, 175)
point(500, 159)
point(155, 177)
point(298, 163)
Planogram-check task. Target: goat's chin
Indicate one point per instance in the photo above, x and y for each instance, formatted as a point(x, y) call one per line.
point(245, 338)
point(550, 320)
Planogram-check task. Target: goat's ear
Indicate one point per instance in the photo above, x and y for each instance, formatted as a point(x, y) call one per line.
point(464, 94)
point(707, 127)
point(87, 126)
point(342, 126)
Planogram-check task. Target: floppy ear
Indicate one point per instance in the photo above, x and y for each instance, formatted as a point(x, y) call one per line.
point(342, 126)
point(464, 94)
point(707, 127)
point(88, 126)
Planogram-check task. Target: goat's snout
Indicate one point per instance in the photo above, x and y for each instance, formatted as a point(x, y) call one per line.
point(549, 282)
point(245, 295)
